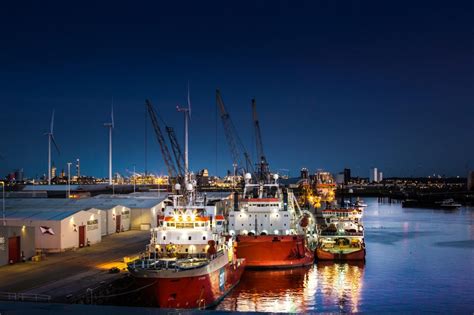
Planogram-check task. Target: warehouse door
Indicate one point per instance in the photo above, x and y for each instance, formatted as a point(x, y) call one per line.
point(118, 223)
point(14, 249)
point(82, 236)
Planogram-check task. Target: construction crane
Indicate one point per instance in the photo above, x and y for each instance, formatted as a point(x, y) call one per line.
point(177, 153)
point(172, 172)
point(236, 146)
point(263, 171)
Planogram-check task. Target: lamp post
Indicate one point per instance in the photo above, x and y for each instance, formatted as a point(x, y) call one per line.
point(134, 177)
point(69, 180)
point(3, 203)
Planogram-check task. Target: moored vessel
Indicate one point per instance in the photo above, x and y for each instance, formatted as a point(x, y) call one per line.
point(342, 235)
point(189, 262)
point(271, 230)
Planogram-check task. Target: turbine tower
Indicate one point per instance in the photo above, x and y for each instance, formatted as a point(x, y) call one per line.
point(110, 125)
point(50, 135)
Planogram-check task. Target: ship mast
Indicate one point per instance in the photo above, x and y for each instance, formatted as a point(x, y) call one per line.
point(187, 180)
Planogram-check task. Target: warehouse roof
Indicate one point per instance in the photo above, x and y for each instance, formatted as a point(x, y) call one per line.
point(52, 204)
point(39, 215)
point(65, 187)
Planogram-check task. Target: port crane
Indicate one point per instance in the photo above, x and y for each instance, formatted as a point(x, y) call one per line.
point(175, 168)
point(236, 146)
point(263, 172)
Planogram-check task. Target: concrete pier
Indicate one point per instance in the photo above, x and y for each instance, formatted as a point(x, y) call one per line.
point(66, 274)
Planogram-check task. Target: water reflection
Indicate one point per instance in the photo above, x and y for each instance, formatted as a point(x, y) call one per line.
point(341, 284)
point(328, 286)
point(418, 260)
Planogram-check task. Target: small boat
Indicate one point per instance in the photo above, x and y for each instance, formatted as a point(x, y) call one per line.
point(342, 237)
point(449, 204)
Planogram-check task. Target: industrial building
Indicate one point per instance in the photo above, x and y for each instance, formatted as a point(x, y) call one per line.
point(115, 219)
point(60, 224)
point(16, 243)
point(56, 231)
point(144, 207)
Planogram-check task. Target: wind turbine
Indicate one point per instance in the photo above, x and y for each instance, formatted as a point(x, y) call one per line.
point(50, 135)
point(110, 125)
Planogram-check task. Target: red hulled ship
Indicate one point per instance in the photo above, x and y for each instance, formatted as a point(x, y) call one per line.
point(190, 263)
point(272, 232)
point(342, 235)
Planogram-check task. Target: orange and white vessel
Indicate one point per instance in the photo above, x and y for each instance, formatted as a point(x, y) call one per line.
point(189, 262)
point(341, 237)
point(271, 230)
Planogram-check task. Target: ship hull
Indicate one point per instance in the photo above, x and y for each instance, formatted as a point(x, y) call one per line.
point(326, 255)
point(199, 291)
point(274, 252)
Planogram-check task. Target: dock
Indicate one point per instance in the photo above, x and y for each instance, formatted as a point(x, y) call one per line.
point(61, 276)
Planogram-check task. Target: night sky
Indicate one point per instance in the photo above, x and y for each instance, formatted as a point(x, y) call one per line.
point(337, 83)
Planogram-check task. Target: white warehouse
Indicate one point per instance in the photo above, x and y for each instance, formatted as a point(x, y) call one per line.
point(57, 231)
point(144, 208)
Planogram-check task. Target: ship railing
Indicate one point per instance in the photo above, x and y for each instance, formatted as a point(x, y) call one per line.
point(328, 233)
point(27, 297)
point(161, 264)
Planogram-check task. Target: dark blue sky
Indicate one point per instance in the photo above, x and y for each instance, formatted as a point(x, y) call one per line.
point(338, 84)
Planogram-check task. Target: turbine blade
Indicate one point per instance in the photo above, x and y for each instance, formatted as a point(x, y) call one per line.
point(55, 144)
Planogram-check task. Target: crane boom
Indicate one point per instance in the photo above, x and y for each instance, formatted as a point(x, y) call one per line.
point(240, 155)
point(258, 135)
point(161, 140)
point(177, 153)
point(263, 170)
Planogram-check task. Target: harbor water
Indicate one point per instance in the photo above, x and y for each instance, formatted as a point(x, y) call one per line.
point(418, 260)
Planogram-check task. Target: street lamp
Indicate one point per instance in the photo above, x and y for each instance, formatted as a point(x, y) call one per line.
point(3, 203)
point(69, 180)
point(134, 177)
